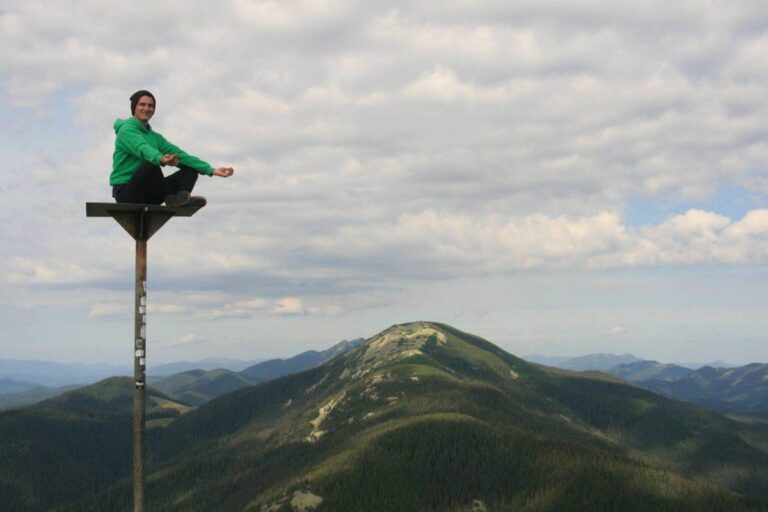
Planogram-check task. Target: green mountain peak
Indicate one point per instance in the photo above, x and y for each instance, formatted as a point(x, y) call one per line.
point(422, 348)
point(402, 341)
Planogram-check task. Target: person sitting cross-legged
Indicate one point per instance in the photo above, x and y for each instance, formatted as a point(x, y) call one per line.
point(140, 152)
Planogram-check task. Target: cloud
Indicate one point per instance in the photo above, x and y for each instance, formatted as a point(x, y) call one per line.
point(126, 309)
point(360, 253)
point(110, 310)
point(190, 339)
point(560, 101)
point(445, 244)
point(617, 330)
point(240, 309)
point(166, 309)
point(698, 237)
point(329, 310)
point(289, 306)
point(47, 271)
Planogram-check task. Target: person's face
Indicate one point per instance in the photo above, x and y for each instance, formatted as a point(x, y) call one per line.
point(145, 108)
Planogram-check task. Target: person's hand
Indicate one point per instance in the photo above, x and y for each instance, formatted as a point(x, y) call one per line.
point(224, 172)
point(169, 160)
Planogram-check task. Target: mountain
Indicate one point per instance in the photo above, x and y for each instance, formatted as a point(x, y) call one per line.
point(647, 370)
point(424, 417)
point(555, 361)
point(725, 388)
point(51, 374)
point(729, 390)
point(600, 362)
point(10, 386)
point(196, 387)
point(112, 396)
point(234, 365)
point(275, 368)
point(604, 362)
point(714, 364)
point(32, 396)
point(45, 373)
point(192, 383)
point(74, 445)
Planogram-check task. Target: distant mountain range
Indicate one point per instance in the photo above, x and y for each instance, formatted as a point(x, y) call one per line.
point(603, 361)
point(599, 362)
point(234, 365)
point(728, 390)
point(421, 417)
point(195, 383)
point(198, 386)
point(191, 382)
point(275, 368)
point(48, 374)
point(737, 390)
point(32, 396)
point(645, 370)
point(8, 386)
point(21, 375)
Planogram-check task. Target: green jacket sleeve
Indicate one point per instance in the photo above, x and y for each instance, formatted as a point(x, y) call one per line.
point(185, 158)
point(132, 141)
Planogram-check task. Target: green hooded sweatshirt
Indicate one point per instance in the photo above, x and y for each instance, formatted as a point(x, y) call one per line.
point(137, 143)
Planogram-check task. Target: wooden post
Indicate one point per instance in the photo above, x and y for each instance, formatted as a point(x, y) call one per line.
point(141, 221)
point(139, 373)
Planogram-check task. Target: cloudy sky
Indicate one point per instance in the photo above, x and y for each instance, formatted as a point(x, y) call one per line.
point(559, 177)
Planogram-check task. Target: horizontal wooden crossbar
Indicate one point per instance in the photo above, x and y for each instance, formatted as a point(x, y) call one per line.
point(141, 221)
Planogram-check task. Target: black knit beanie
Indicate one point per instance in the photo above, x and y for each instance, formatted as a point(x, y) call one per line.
point(135, 97)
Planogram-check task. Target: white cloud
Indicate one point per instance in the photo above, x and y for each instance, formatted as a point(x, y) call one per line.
point(328, 310)
point(289, 306)
point(190, 339)
point(240, 309)
point(110, 310)
point(443, 85)
point(450, 244)
point(617, 330)
point(166, 309)
point(48, 271)
point(126, 309)
point(701, 237)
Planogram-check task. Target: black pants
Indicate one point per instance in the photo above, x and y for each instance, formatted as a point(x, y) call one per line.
point(149, 186)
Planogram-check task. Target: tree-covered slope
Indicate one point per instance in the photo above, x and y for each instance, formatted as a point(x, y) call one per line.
point(73, 445)
point(195, 387)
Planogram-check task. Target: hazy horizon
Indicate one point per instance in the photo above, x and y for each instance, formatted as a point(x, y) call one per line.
point(127, 363)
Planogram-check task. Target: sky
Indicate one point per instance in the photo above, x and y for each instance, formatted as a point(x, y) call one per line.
point(559, 177)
